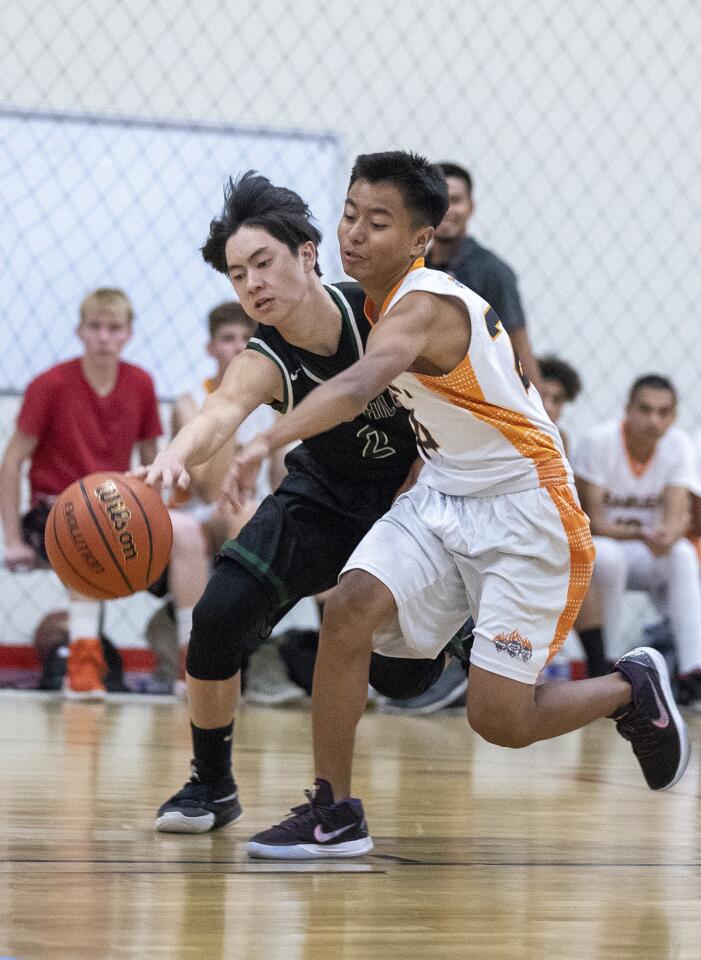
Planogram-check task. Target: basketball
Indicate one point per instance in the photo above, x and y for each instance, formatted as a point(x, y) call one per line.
point(108, 536)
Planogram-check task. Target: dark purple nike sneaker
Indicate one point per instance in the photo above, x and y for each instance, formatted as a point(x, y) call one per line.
point(317, 829)
point(652, 723)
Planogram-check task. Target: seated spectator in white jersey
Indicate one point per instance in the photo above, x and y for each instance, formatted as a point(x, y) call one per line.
point(559, 384)
point(635, 478)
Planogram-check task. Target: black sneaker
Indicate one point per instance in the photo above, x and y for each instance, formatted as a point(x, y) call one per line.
point(652, 724)
point(200, 806)
point(320, 828)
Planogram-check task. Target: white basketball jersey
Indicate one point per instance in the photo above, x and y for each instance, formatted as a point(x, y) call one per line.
point(633, 491)
point(481, 429)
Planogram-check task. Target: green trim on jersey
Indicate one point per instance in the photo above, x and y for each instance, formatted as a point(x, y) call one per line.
point(264, 350)
point(258, 567)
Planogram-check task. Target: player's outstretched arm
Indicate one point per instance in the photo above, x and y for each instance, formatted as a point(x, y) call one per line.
point(250, 380)
point(392, 348)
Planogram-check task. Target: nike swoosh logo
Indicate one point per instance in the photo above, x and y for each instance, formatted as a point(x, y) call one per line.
point(663, 719)
point(232, 796)
point(321, 837)
point(293, 376)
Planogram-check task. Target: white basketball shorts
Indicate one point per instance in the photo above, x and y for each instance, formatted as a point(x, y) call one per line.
point(520, 563)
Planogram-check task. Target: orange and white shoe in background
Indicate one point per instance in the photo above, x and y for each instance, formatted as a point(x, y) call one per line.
point(86, 671)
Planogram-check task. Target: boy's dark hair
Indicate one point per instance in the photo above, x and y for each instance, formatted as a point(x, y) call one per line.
point(552, 368)
point(229, 312)
point(653, 381)
point(252, 200)
point(449, 169)
point(421, 183)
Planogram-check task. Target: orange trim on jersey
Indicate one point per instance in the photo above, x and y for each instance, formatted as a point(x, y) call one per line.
point(461, 388)
point(370, 307)
point(582, 552)
point(635, 466)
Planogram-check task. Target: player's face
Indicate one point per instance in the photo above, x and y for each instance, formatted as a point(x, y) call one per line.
point(228, 342)
point(377, 237)
point(554, 398)
point(650, 413)
point(454, 223)
point(104, 333)
point(269, 279)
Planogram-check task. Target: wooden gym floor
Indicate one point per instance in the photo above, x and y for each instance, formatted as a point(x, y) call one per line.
point(557, 851)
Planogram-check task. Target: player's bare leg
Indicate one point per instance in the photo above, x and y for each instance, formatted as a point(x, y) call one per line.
point(333, 823)
point(213, 702)
point(341, 673)
point(504, 711)
point(637, 695)
point(513, 714)
point(210, 798)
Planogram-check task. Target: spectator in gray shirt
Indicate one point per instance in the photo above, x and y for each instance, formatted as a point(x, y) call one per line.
point(477, 267)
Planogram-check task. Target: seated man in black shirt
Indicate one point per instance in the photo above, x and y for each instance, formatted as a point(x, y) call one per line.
point(478, 268)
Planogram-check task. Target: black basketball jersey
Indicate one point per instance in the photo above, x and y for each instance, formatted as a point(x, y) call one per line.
point(379, 440)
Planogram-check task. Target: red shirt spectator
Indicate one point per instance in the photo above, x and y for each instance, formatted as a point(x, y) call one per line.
point(81, 432)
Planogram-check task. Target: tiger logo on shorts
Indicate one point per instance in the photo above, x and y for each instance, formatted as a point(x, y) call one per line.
point(514, 644)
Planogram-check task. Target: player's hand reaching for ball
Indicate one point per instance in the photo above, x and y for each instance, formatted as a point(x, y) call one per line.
point(166, 469)
point(240, 481)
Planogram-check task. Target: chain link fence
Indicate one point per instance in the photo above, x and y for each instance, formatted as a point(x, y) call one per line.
point(580, 123)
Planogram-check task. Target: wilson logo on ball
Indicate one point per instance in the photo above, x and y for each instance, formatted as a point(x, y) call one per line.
point(119, 516)
point(108, 536)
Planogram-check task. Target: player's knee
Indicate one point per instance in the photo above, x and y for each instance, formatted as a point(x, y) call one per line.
point(342, 628)
point(215, 648)
point(231, 605)
point(353, 610)
point(498, 727)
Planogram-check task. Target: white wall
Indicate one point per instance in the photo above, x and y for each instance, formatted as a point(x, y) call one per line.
point(579, 120)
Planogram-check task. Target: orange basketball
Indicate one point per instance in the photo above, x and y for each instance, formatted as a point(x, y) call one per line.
point(108, 536)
